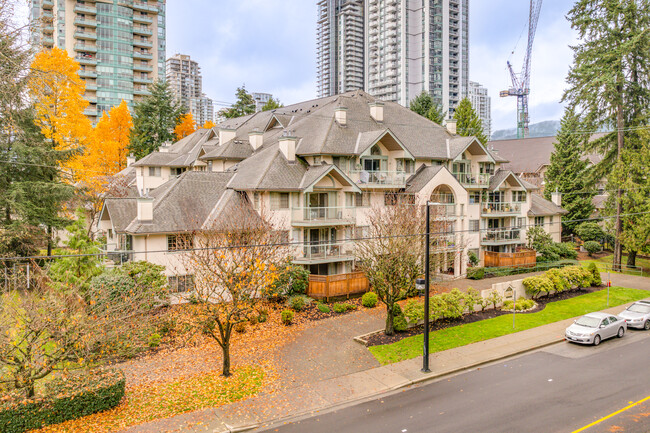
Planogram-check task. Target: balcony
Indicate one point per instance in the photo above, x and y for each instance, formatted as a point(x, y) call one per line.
point(142, 30)
point(501, 236)
point(85, 48)
point(90, 111)
point(473, 180)
point(48, 40)
point(142, 80)
point(85, 22)
point(323, 216)
point(144, 6)
point(48, 4)
point(86, 60)
point(381, 179)
point(87, 74)
point(142, 43)
point(142, 67)
point(137, 18)
point(141, 91)
point(445, 211)
point(83, 9)
point(141, 55)
point(497, 209)
point(85, 35)
point(91, 85)
point(324, 253)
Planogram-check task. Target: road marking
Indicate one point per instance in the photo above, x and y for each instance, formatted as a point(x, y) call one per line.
point(611, 415)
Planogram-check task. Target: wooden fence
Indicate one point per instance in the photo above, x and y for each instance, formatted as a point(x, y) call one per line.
point(520, 259)
point(329, 286)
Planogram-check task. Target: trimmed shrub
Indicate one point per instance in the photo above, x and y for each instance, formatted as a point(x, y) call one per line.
point(397, 310)
point(454, 304)
point(589, 231)
point(472, 298)
point(567, 250)
point(557, 277)
point(323, 308)
point(369, 300)
point(286, 317)
point(113, 287)
point(339, 308)
point(520, 305)
point(476, 273)
point(592, 247)
point(577, 276)
point(538, 284)
point(400, 324)
point(154, 340)
point(71, 398)
point(414, 311)
point(297, 303)
point(494, 298)
point(595, 274)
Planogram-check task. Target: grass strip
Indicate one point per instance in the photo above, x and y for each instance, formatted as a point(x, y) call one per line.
point(461, 335)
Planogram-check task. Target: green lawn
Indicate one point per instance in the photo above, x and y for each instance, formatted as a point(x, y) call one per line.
point(640, 262)
point(456, 336)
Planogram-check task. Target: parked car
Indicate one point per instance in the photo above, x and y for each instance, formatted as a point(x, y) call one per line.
point(592, 328)
point(637, 315)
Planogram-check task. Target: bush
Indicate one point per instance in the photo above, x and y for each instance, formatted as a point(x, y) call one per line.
point(154, 340)
point(286, 317)
point(537, 284)
point(323, 308)
point(297, 303)
point(494, 298)
point(592, 247)
point(559, 280)
point(473, 260)
point(595, 274)
point(397, 310)
point(339, 308)
point(112, 287)
point(577, 276)
point(589, 231)
point(74, 397)
point(476, 273)
point(293, 280)
point(369, 300)
point(240, 327)
point(567, 250)
point(454, 304)
point(520, 305)
point(414, 311)
point(147, 276)
point(472, 298)
point(400, 324)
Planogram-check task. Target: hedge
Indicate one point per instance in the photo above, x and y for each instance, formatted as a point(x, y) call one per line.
point(559, 280)
point(65, 399)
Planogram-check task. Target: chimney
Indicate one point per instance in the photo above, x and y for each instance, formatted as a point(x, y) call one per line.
point(256, 139)
point(377, 111)
point(145, 209)
point(130, 160)
point(556, 197)
point(451, 126)
point(288, 145)
point(341, 115)
point(225, 135)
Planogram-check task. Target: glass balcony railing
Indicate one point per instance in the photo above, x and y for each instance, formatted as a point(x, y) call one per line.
point(323, 215)
point(473, 179)
point(444, 210)
point(325, 251)
point(381, 177)
point(496, 236)
point(501, 208)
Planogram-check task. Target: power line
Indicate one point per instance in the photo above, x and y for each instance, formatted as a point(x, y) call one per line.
point(308, 245)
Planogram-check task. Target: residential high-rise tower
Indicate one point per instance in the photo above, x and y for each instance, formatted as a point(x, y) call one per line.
point(478, 96)
point(186, 83)
point(340, 42)
point(413, 46)
point(120, 45)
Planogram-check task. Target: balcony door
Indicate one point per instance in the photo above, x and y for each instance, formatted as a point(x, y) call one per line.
point(318, 205)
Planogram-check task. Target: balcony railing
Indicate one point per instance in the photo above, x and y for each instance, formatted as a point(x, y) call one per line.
point(473, 179)
point(324, 251)
point(325, 215)
point(444, 210)
point(501, 208)
point(496, 236)
point(380, 177)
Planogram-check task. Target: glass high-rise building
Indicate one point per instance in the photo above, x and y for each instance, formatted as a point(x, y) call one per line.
point(120, 45)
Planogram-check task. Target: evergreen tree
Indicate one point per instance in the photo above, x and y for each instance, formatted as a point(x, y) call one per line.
point(422, 104)
point(468, 123)
point(568, 172)
point(272, 105)
point(245, 105)
point(155, 118)
point(609, 80)
point(436, 115)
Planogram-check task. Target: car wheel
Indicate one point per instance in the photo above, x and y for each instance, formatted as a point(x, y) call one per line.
point(647, 325)
point(596, 340)
point(621, 332)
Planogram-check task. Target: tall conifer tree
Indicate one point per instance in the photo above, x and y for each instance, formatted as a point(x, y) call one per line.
point(468, 123)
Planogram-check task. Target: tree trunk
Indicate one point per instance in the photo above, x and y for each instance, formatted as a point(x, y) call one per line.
point(631, 258)
point(226, 359)
point(49, 240)
point(390, 330)
point(618, 247)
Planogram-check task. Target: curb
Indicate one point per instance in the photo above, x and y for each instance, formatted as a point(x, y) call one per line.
point(407, 383)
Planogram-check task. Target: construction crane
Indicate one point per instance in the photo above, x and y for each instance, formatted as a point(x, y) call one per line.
point(521, 82)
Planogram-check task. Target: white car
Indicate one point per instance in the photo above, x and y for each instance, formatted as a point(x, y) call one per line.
point(592, 328)
point(637, 315)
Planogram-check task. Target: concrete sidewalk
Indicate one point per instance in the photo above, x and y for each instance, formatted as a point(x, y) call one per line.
point(325, 395)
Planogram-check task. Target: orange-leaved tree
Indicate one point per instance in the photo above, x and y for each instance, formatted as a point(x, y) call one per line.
point(208, 124)
point(57, 92)
point(185, 126)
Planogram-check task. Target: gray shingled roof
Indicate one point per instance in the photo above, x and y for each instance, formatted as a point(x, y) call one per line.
point(501, 175)
point(121, 211)
point(268, 169)
point(422, 177)
point(541, 207)
point(236, 150)
point(184, 203)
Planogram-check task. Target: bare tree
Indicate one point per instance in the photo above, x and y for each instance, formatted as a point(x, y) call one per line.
point(235, 262)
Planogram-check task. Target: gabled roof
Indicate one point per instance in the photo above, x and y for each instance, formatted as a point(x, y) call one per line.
point(183, 153)
point(121, 211)
point(501, 175)
point(268, 170)
point(422, 177)
point(541, 207)
point(314, 174)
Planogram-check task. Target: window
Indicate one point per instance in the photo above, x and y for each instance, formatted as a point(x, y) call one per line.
point(486, 167)
point(256, 200)
point(520, 222)
point(282, 236)
point(405, 165)
point(539, 221)
point(474, 226)
point(474, 197)
point(519, 196)
point(181, 283)
point(177, 171)
point(154, 171)
point(350, 199)
point(363, 199)
point(279, 200)
point(180, 242)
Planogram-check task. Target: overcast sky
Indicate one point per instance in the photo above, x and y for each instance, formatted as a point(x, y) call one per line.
point(270, 46)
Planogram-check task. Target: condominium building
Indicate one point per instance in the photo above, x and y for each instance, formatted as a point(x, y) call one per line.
point(478, 96)
point(202, 109)
point(317, 170)
point(340, 39)
point(261, 99)
point(414, 46)
point(120, 45)
point(186, 83)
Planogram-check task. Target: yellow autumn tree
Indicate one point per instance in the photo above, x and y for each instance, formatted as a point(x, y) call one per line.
point(209, 124)
point(185, 126)
point(57, 92)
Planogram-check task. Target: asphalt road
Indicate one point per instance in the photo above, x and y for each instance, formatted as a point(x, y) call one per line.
point(562, 388)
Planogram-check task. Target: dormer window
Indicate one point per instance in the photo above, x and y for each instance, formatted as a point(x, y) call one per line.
point(486, 167)
point(375, 151)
